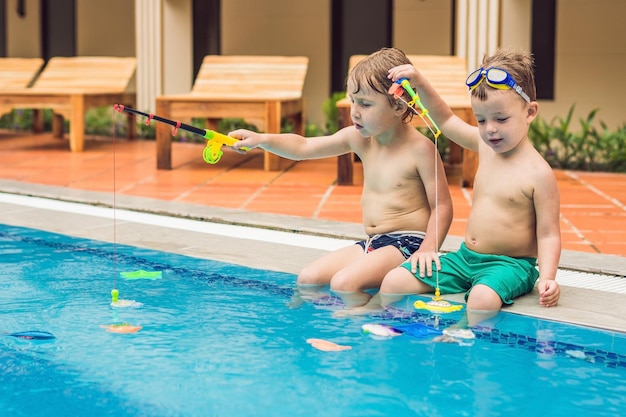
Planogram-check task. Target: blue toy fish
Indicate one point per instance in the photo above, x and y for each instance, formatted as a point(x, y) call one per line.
point(418, 330)
point(33, 335)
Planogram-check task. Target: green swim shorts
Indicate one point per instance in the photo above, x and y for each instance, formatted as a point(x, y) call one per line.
point(461, 270)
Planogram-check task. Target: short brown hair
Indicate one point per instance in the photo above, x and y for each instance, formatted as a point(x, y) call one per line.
point(519, 65)
point(373, 70)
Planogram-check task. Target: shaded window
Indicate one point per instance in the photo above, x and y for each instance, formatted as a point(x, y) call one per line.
point(58, 28)
point(3, 29)
point(543, 46)
point(206, 31)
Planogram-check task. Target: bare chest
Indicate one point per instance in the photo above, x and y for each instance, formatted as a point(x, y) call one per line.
point(503, 188)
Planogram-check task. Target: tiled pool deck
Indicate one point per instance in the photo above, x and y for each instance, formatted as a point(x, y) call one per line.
point(301, 198)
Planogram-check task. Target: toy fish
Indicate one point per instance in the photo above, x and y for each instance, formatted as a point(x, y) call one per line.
point(380, 330)
point(33, 335)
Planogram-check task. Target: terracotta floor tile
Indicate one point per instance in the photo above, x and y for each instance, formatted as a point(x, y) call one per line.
point(593, 205)
point(220, 195)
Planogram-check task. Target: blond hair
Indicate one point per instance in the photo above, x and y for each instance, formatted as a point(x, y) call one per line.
point(373, 70)
point(519, 65)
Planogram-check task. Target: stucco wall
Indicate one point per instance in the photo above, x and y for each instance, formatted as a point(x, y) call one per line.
point(590, 60)
point(23, 33)
point(422, 27)
point(283, 27)
point(102, 28)
point(105, 28)
point(590, 41)
point(590, 56)
point(303, 28)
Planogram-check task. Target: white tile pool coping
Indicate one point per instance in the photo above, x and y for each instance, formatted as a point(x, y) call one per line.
point(595, 281)
point(229, 230)
point(590, 296)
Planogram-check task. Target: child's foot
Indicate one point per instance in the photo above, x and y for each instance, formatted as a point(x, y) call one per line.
point(358, 311)
point(372, 306)
point(464, 337)
point(300, 296)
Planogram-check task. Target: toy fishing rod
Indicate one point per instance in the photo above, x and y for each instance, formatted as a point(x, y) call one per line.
point(396, 90)
point(213, 150)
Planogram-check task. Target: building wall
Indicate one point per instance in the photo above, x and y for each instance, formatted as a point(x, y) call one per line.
point(590, 60)
point(515, 24)
point(423, 27)
point(105, 28)
point(590, 46)
point(23, 34)
point(284, 27)
point(95, 34)
point(287, 27)
point(590, 55)
point(177, 46)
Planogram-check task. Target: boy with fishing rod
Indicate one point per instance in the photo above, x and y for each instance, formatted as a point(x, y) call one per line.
point(401, 188)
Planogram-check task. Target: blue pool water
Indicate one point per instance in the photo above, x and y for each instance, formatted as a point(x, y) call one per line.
point(225, 340)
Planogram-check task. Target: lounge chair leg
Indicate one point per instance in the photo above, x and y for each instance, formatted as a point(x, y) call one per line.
point(58, 125)
point(163, 139)
point(77, 123)
point(37, 121)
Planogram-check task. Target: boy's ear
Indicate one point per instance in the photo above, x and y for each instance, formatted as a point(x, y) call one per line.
point(400, 107)
point(532, 110)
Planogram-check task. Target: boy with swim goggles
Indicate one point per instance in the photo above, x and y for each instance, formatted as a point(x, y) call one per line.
point(512, 241)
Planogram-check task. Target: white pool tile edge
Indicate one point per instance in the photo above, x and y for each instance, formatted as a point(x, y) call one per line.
point(578, 279)
point(219, 229)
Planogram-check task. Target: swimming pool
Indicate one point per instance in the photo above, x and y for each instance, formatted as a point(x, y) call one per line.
point(224, 340)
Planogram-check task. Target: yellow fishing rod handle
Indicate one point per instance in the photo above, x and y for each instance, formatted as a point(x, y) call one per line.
point(219, 137)
point(213, 149)
point(212, 135)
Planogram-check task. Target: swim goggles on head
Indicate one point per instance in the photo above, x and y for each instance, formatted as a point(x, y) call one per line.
point(496, 78)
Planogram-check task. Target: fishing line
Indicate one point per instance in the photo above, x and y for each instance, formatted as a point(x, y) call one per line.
point(397, 89)
point(114, 291)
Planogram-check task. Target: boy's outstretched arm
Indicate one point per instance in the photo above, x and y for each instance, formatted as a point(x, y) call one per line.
point(293, 146)
point(451, 125)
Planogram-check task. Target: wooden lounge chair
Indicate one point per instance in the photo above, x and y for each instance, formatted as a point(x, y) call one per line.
point(18, 73)
point(447, 74)
point(259, 89)
point(72, 85)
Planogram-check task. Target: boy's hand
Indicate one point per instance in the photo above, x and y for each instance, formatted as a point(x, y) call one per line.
point(407, 71)
point(247, 139)
point(549, 292)
point(424, 259)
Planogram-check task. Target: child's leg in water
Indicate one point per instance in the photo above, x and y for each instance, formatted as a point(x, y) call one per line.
point(372, 306)
point(306, 292)
point(353, 299)
point(351, 282)
point(310, 291)
point(315, 277)
point(387, 299)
